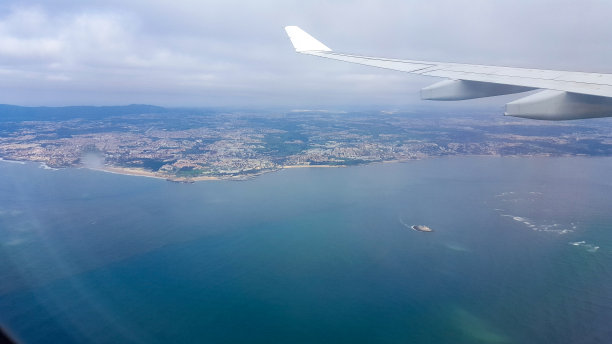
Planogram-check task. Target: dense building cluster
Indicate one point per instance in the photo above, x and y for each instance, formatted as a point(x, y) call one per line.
point(238, 145)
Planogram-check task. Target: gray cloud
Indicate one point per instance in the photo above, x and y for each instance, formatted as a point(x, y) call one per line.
point(235, 53)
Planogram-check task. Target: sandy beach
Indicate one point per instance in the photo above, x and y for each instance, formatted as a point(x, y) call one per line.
point(132, 171)
point(312, 166)
point(140, 172)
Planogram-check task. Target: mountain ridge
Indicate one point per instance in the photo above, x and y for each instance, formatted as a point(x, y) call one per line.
point(26, 113)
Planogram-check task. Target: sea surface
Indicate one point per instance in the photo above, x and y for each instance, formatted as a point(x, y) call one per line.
point(521, 253)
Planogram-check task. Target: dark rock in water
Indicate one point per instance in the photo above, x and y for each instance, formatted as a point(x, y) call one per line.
point(422, 228)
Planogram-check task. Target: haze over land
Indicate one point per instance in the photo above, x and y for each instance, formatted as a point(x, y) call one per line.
point(187, 145)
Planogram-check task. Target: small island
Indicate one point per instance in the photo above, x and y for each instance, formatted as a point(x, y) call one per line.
point(421, 228)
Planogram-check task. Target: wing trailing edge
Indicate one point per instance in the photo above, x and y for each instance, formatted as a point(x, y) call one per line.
point(567, 95)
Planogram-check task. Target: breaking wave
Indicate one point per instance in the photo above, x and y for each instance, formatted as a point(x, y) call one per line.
point(539, 227)
point(589, 247)
point(533, 224)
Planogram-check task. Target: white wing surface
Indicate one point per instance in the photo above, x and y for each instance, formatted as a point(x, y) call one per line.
point(568, 95)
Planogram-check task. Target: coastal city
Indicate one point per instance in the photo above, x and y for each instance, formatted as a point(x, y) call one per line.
point(187, 146)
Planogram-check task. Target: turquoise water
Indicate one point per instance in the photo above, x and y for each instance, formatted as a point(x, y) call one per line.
point(521, 253)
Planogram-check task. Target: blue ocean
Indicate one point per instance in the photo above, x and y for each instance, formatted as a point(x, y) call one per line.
point(521, 252)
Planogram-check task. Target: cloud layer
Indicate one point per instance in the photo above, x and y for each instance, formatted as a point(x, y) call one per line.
point(235, 53)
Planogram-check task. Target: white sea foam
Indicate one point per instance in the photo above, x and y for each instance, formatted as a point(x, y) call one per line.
point(531, 224)
point(519, 197)
point(13, 161)
point(592, 248)
point(588, 247)
point(47, 167)
point(504, 194)
point(404, 223)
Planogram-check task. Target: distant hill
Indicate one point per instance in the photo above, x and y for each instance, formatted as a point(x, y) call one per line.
point(44, 113)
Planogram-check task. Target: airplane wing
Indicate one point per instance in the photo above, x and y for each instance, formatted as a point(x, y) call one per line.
point(565, 95)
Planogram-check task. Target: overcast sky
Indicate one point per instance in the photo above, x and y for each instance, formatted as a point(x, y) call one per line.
point(236, 53)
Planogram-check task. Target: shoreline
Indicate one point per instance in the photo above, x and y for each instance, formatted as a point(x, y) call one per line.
point(312, 166)
point(139, 172)
point(14, 161)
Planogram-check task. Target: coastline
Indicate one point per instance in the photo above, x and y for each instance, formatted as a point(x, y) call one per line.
point(312, 166)
point(140, 172)
point(13, 161)
point(129, 171)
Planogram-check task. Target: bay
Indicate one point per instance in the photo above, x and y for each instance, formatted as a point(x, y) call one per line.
point(521, 253)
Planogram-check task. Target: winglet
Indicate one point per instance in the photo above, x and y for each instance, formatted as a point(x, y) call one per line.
point(302, 41)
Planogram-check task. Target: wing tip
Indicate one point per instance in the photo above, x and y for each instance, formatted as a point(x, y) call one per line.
point(302, 41)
